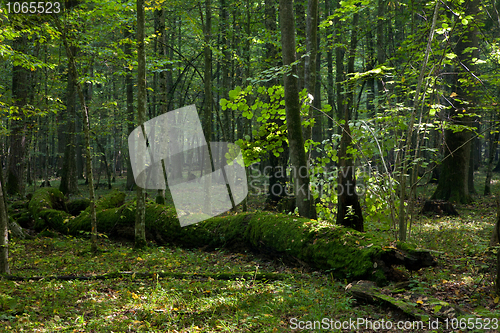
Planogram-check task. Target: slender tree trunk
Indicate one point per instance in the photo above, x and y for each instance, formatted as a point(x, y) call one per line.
point(310, 59)
point(292, 105)
point(339, 67)
point(4, 229)
point(300, 12)
point(493, 147)
point(329, 61)
point(381, 5)
point(208, 101)
point(129, 87)
point(140, 218)
point(472, 166)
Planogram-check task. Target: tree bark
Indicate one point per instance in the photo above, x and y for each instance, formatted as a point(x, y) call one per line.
point(129, 88)
point(207, 128)
point(493, 147)
point(4, 230)
point(292, 106)
point(140, 224)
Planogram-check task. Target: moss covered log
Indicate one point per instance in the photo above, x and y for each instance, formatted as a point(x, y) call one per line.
point(48, 208)
point(344, 252)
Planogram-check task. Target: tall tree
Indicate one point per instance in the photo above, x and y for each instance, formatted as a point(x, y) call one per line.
point(349, 212)
point(16, 163)
point(303, 197)
point(140, 217)
point(310, 59)
point(129, 89)
point(207, 128)
point(86, 129)
point(453, 178)
point(68, 172)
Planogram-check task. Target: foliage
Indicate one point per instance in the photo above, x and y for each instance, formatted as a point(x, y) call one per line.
point(267, 107)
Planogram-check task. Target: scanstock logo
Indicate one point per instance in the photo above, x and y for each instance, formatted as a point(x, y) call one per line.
point(205, 180)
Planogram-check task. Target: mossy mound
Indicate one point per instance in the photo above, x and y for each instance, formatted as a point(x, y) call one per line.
point(48, 209)
point(111, 200)
point(343, 252)
point(52, 219)
point(46, 198)
point(75, 207)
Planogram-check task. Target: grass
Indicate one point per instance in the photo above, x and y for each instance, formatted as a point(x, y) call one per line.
point(195, 303)
point(139, 305)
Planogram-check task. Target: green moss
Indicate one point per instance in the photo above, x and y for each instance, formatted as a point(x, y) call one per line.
point(113, 199)
point(77, 206)
point(52, 219)
point(48, 209)
point(46, 198)
point(20, 204)
point(405, 247)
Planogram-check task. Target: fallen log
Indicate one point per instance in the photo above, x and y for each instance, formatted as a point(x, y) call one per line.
point(343, 252)
point(48, 208)
point(416, 306)
point(149, 275)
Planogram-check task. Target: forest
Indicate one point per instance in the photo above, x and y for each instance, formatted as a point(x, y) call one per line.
point(249, 166)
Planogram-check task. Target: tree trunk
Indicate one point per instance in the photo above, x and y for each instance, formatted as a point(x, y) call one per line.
point(453, 183)
point(16, 164)
point(69, 183)
point(339, 68)
point(349, 212)
point(301, 28)
point(4, 230)
point(86, 129)
point(129, 87)
point(278, 176)
point(381, 7)
point(310, 59)
point(140, 225)
point(292, 106)
point(472, 166)
point(329, 61)
point(493, 147)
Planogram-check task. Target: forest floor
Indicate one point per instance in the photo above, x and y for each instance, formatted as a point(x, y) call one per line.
point(198, 301)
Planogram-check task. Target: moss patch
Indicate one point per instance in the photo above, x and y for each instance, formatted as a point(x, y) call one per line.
point(48, 209)
point(52, 219)
point(75, 207)
point(46, 198)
